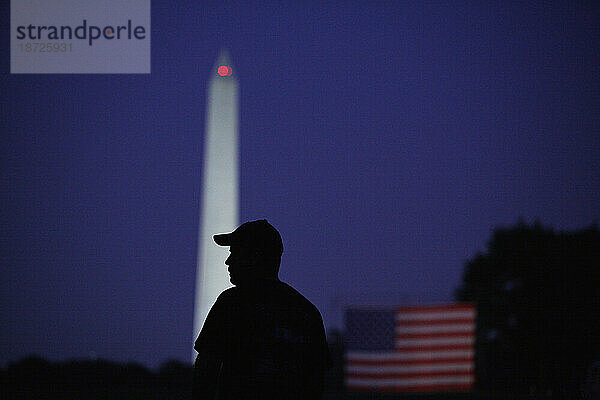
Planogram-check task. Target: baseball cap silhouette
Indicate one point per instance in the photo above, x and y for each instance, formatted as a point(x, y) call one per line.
point(259, 235)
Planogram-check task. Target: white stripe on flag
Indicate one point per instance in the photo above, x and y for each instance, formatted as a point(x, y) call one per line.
point(425, 381)
point(396, 369)
point(408, 355)
point(403, 343)
point(449, 328)
point(446, 315)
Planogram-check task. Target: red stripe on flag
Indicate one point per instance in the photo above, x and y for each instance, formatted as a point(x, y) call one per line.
point(435, 347)
point(434, 322)
point(423, 388)
point(400, 336)
point(386, 363)
point(402, 375)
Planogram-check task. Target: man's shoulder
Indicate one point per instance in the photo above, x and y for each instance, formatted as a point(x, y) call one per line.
point(277, 292)
point(301, 300)
point(229, 294)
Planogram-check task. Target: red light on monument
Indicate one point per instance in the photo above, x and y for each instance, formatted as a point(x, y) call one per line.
point(224, 70)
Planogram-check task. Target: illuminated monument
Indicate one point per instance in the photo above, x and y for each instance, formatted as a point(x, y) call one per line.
point(219, 188)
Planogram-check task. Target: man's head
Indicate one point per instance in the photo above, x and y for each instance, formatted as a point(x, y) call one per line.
point(256, 250)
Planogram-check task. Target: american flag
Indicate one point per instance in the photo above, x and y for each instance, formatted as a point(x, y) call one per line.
point(410, 349)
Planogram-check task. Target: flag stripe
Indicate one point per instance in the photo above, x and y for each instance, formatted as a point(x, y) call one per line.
point(438, 347)
point(411, 355)
point(399, 382)
point(421, 367)
point(434, 335)
point(432, 322)
point(420, 388)
point(355, 363)
point(424, 316)
point(445, 328)
point(400, 376)
point(409, 343)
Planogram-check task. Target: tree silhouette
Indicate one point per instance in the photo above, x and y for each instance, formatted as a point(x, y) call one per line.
point(538, 309)
point(36, 378)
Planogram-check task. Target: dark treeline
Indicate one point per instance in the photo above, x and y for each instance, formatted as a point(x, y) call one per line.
point(538, 312)
point(36, 378)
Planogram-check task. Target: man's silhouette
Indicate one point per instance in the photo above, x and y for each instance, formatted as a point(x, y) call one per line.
point(261, 339)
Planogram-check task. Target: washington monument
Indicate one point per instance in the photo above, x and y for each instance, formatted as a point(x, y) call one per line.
point(220, 189)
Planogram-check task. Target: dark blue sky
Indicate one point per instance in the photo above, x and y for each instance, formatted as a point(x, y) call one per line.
point(384, 140)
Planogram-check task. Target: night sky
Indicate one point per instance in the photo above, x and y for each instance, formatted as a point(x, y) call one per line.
point(385, 141)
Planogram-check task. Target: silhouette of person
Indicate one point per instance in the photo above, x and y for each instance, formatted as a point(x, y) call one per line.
point(261, 339)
